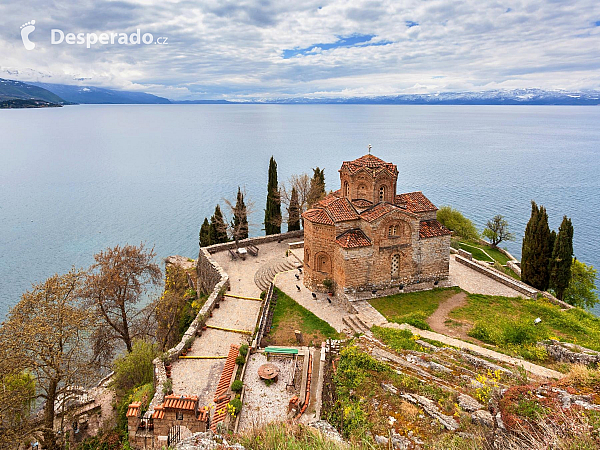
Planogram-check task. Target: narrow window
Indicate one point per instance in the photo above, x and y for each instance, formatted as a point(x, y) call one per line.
point(179, 415)
point(346, 189)
point(381, 193)
point(395, 266)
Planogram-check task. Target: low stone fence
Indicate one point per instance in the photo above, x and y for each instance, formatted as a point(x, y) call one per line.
point(570, 353)
point(213, 278)
point(254, 241)
point(509, 281)
point(498, 276)
point(514, 266)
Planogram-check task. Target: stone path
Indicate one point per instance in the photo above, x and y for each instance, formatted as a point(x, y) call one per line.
point(529, 367)
point(331, 313)
point(477, 283)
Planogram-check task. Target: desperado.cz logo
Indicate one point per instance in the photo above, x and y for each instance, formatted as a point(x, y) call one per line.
point(58, 36)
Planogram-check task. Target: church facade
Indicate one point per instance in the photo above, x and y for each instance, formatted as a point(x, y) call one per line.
point(366, 237)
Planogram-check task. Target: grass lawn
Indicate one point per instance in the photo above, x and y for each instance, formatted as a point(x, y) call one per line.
point(508, 323)
point(476, 248)
point(289, 316)
point(414, 307)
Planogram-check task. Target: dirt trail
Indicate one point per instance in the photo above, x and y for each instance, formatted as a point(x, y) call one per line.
point(437, 321)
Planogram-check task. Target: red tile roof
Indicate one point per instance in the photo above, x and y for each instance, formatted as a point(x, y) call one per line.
point(225, 380)
point(368, 161)
point(353, 239)
point(375, 212)
point(318, 215)
point(180, 402)
point(159, 412)
point(133, 410)
point(432, 228)
point(415, 202)
point(341, 210)
point(220, 412)
point(362, 203)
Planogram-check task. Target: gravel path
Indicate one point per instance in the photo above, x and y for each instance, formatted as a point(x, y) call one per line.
point(264, 404)
point(437, 321)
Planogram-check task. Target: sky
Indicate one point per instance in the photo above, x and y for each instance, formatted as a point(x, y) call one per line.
point(252, 49)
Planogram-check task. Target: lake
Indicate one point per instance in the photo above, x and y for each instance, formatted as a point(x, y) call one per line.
point(77, 179)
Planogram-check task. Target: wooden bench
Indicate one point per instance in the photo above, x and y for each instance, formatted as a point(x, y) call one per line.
point(252, 249)
point(233, 255)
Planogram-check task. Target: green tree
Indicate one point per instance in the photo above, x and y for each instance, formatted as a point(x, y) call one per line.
point(273, 209)
point(205, 234)
point(240, 218)
point(582, 289)
point(17, 395)
point(294, 212)
point(317, 187)
point(134, 368)
point(218, 227)
point(497, 230)
point(536, 250)
point(455, 221)
point(562, 258)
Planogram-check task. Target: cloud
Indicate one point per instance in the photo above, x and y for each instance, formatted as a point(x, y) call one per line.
point(277, 48)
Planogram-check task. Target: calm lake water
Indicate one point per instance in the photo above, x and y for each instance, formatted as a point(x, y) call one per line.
point(78, 179)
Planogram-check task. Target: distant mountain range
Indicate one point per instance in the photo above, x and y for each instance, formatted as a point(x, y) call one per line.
point(62, 94)
point(17, 90)
point(495, 97)
point(96, 95)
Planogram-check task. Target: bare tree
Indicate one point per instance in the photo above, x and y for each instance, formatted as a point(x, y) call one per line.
point(47, 334)
point(114, 286)
point(497, 231)
point(302, 185)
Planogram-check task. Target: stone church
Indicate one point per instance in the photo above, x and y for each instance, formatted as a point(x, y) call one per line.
point(366, 237)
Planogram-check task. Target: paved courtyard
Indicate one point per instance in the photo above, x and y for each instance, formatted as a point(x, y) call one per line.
point(477, 283)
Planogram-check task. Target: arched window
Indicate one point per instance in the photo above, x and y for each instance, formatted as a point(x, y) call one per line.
point(323, 263)
point(395, 266)
point(382, 193)
point(362, 191)
point(393, 230)
point(306, 256)
point(346, 189)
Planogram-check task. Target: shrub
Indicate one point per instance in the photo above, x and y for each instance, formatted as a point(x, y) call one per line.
point(455, 221)
point(240, 360)
point(234, 406)
point(237, 386)
point(168, 387)
point(244, 350)
point(135, 368)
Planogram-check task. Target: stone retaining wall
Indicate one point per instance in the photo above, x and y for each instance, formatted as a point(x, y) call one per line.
point(254, 241)
point(212, 278)
point(507, 280)
point(498, 276)
point(564, 352)
point(514, 266)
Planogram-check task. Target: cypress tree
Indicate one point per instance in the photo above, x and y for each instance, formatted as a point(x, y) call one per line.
point(317, 187)
point(205, 233)
point(240, 218)
point(562, 258)
point(294, 212)
point(273, 209)
point(218, 227)
point(536, 252)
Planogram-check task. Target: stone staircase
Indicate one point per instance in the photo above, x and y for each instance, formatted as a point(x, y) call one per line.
point(356, 324)
point(265, 274)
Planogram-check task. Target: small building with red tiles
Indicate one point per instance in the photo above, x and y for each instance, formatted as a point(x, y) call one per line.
point(366, 237)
